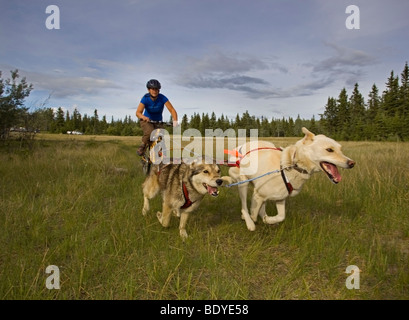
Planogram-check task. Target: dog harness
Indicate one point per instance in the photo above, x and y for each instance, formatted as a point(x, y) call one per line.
point(188, 202)
point(238, 154)
point(287, 182)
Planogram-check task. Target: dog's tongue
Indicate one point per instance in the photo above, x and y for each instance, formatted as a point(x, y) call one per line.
point(333, 170)
point(212, 190)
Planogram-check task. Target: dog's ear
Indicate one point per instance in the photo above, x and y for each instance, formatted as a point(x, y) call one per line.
point(195, 165)
point(309, 136)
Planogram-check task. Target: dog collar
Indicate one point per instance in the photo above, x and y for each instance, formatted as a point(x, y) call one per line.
point(188, 202)
point(300, 170)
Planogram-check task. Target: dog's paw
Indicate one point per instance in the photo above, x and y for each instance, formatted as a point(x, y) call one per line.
point(251, 226)
point(145, 208)
point(159, 215)
point(272, 220)
point(183, 234)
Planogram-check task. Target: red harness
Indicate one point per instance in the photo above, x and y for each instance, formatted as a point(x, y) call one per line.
point(237, 154)
point(188, 202)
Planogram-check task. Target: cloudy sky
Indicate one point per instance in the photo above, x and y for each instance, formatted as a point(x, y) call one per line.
point(274, 58)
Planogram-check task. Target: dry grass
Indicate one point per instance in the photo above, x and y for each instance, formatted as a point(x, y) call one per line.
point(75, 202)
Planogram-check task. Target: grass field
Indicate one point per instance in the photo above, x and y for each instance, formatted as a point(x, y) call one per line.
point(75, 202)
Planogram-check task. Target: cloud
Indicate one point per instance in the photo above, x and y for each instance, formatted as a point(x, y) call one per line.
point(345, 57)
point(63, 86)
point(221, 63)
point(234, 82)
point(233, 72)
point(246, 75)
point(345, 63)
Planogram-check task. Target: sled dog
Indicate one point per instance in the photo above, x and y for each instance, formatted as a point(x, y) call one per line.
point(183, 187)
point(294, 165)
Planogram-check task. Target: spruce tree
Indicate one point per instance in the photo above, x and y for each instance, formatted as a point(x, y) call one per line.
point(390, 98)
point(330, 117)
point(373, 108)
point(184, 124)
point(344, 116)
point(59, 121)
point(404, 101)
point(390, 106)
point(357, 111)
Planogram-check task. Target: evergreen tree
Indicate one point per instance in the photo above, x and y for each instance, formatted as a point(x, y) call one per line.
point(12, 109)
point(265, 129)
point(196, 121)
point(373, 109)
point(205, 123)
point(185, 123)
point(344, 115)
point(223, 122)
point(390, 106)
point(313, 125)
point(373, 103)
point(330, 117)
point(212, 121)
point(390, 98)
point(76, 119)
point(95, 123)
point(103, 125)
point(59, 121)
point(404, 101)
point(297, 126)
point(357, 112)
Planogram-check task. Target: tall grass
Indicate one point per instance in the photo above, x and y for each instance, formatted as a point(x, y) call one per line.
point(75, 202)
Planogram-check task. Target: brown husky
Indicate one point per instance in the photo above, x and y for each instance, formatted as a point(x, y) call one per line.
point(183, 187)
point(294, 166)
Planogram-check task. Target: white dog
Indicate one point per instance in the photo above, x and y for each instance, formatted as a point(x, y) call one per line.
point(294, 165)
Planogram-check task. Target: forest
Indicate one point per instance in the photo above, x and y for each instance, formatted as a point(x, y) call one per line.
point(382, 116)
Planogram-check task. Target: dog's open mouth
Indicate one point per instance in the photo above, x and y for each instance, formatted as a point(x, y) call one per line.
point(213, 191)
point(332, 171)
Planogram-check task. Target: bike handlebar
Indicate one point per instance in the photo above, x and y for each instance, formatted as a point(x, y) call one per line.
point(161, 122)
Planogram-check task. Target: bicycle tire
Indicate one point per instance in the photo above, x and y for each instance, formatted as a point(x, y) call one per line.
point(146, 162)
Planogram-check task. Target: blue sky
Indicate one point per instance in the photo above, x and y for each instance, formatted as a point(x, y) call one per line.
point(274, 58)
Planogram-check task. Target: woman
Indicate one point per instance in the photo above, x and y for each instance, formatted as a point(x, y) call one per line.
point(151, 109)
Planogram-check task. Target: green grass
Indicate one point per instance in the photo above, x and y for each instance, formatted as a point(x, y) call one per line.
point(65, 203)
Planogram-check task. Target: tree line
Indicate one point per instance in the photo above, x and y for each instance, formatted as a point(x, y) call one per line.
point(382, 117)
point(60, 121)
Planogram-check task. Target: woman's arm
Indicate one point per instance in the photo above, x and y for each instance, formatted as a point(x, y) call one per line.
point(172, 112)
point(139, 112)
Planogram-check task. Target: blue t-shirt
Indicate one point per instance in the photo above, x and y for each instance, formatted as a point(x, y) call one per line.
point(154, 109)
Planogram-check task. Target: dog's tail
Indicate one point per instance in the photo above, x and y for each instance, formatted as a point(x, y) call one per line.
point(151, 185)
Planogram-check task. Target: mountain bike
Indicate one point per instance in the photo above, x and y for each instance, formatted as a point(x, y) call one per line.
point(151, 155)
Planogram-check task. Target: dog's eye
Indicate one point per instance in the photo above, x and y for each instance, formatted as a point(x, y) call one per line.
point(330, 150)
point(205, 171)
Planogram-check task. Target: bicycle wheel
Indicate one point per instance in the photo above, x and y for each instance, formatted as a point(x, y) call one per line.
point(146, 162)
